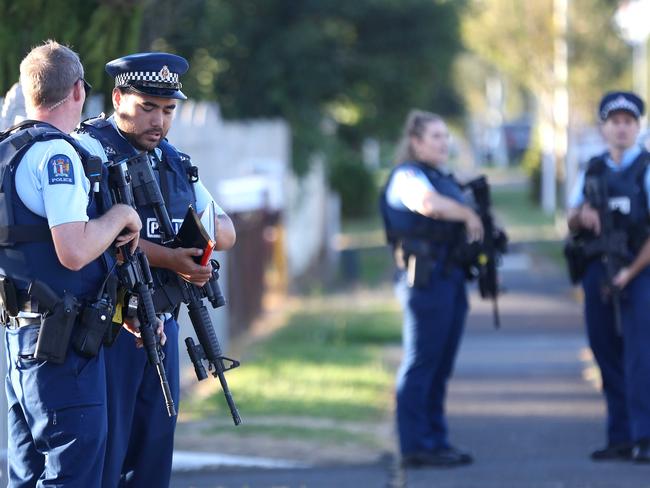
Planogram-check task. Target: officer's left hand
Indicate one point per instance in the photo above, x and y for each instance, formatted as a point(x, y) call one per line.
point(622, 278)
point(185, 266)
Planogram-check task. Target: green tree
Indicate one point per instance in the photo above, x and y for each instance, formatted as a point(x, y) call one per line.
point(99, 30)
point(361, 64)
point(599, 59)
point(515, 39)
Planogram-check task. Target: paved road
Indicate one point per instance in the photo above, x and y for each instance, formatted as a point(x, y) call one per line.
point(519, 401)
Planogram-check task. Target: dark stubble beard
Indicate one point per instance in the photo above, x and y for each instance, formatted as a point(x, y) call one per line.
point(128, 130)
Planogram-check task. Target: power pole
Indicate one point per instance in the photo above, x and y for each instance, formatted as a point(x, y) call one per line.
point(561, 88)
point(554, 129)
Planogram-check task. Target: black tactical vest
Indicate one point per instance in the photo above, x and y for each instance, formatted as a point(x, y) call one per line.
point(403, 224)
point(26, 248)
point(627, 199)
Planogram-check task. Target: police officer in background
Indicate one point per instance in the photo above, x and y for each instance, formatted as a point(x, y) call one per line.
point(426, 217)
point(52, 232)
point(13, 107)
point(622, 356)
point(145, 96)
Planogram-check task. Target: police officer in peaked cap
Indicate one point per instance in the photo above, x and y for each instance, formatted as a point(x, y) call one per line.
point(147, 88)
point(614, 189)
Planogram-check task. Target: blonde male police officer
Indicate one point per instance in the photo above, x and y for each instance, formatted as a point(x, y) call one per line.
point(622, 355)
point(52, 232)
point(147, 88)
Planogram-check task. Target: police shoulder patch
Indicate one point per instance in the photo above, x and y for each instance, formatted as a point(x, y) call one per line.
point(59, 170)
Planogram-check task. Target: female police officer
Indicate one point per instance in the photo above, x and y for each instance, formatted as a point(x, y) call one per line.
point(426, 216)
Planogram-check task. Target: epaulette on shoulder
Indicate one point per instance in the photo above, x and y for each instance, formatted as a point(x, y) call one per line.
point(98, 122)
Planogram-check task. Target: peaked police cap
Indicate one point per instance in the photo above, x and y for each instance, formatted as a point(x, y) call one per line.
point(620, 101)
point(155, 74)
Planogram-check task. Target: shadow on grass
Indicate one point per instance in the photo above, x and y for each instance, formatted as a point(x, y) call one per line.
point(321, 364)
point(324, 435)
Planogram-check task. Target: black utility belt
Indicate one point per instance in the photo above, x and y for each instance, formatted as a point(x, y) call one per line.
point(428, 249)
point(64, 321)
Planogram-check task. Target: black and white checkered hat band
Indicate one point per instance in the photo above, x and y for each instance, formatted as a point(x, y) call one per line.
point(146, 76)
point(619, 103)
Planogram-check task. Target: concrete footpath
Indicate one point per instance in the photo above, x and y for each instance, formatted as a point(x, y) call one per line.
point(523, 399)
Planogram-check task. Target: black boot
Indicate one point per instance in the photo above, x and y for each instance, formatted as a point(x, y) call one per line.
point(641, 451)
point(613, 452)
point(441, 457)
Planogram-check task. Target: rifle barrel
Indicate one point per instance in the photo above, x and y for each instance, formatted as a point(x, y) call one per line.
point(495, 313)
point(148, 325)
point(167, 393)
point(229, 399)
point(616, 303)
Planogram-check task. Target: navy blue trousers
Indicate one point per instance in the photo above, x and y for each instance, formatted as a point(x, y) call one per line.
point(624, 360)
point(434, 318)
point(140, 433)
point(56, 416)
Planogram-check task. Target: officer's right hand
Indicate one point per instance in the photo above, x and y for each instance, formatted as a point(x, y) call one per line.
point(623, 277)
point(187, 268)
point(132, 226)
point(473, 226)
point(133, 326)
point(589, 218)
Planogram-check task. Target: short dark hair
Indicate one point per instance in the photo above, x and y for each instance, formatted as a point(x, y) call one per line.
point(48, 73)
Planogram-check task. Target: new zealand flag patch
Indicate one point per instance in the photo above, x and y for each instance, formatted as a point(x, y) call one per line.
point(59, 170)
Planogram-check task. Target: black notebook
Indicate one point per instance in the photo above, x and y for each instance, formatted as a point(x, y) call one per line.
point(192, 233)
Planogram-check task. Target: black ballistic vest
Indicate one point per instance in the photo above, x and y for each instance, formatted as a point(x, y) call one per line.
point(401, 224)
point(26, 248)
point(627, 199)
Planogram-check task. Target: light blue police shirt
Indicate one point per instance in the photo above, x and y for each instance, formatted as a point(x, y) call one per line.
point(577, 198)
point(94, 147)
point(51, 182)
point(407, 188)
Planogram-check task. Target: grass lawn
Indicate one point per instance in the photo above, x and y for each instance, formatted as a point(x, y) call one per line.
point(323, 363)
point(327, 364)
point(325, 435)
point(516, 208)
point(526, 222)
